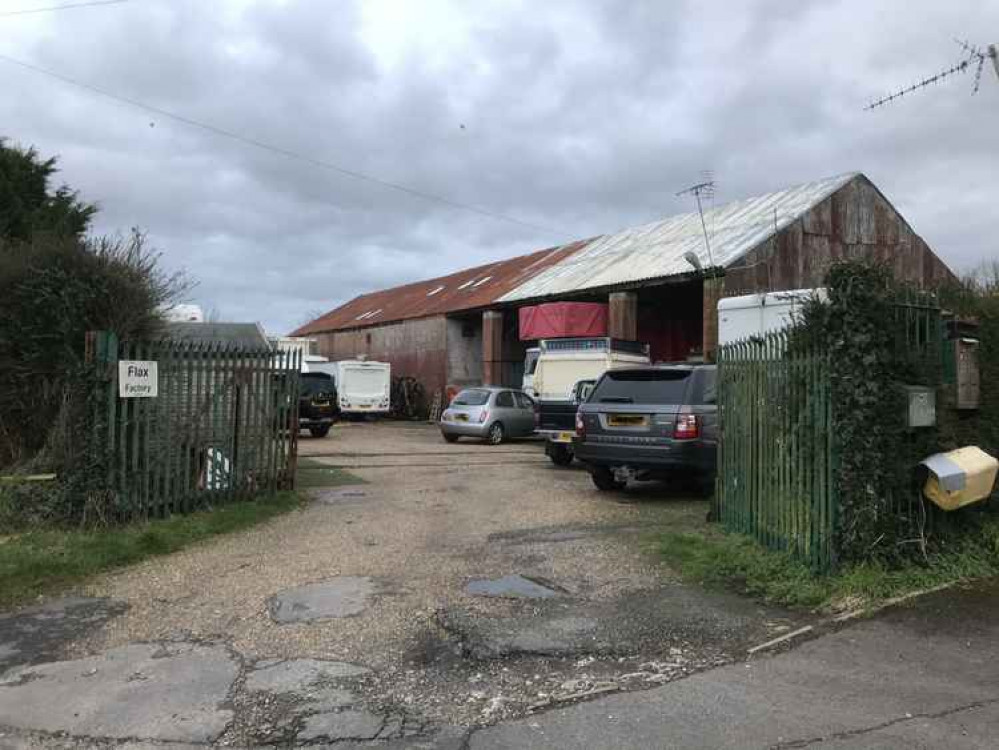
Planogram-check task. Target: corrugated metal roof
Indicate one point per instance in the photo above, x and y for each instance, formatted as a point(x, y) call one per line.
point(249, 335)
point(647, 252)
point(656, 250)
point(466, 290)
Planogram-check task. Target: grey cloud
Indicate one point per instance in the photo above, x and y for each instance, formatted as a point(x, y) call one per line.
point(584, 117)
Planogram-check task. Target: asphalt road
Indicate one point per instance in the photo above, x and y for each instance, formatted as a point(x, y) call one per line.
point(919, 677)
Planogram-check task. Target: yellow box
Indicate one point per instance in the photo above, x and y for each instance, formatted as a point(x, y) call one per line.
point(979, 470)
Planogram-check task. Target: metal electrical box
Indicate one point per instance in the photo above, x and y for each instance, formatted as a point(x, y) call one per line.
point(966, 359)
point(921, 406)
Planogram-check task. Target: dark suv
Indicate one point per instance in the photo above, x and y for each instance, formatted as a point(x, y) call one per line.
point(657, 422)
point(317, 403)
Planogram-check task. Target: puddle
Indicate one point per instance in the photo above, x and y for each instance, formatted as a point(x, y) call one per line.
point(339, 496)
point(513, 587)
point(337, 597)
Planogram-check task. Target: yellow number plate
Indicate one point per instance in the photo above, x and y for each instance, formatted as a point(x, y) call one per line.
point(564, 437)
point(627, 420)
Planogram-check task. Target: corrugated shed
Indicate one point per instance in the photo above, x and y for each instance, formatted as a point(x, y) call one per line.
point(470, 289)
point(656, 250)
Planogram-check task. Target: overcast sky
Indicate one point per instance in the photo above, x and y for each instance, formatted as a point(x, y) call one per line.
point(578, 117)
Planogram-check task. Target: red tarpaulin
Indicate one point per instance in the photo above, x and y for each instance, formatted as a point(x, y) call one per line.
point(563, 319)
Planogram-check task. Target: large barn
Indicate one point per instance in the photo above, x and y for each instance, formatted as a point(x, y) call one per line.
point(462, 328)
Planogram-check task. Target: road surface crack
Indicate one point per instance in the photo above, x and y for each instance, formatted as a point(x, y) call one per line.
point(793, 745)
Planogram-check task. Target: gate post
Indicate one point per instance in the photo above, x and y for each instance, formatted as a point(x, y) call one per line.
point(101, 357)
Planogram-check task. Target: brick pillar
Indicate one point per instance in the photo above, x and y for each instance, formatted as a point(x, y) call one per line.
point(492, 347)
point(623, 316)
point(713, 290)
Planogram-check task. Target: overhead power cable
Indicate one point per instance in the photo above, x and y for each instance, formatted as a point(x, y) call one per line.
point(66, 6)
point(280, 150)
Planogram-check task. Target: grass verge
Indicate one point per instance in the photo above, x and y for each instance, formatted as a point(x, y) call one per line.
point(737, 562)
point(314, 474)
point(39, 562)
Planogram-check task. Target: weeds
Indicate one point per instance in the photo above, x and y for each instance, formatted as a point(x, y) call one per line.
point(42, 561)
point(736, 562)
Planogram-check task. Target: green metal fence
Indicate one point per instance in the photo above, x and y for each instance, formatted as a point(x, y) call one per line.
point(777, 452)
point(222, 427)
point(918, 334)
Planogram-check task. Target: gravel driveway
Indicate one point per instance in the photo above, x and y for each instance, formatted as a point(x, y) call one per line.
point(461, 584)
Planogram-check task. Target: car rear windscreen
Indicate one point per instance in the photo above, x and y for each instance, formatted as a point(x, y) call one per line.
point(313, 383)
point(471, 397)
point(641, 387)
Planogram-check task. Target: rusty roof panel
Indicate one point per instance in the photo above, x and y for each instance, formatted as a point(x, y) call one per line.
point(470, 289)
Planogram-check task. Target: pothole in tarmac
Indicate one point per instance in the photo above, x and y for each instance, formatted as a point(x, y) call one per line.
point(343, 596)
point(306, 700)
point(515, 586)
point(40, 633)
point(340, 496)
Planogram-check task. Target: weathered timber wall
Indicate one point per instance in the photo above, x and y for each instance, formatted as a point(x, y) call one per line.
point(415, 348)
point(854, 222)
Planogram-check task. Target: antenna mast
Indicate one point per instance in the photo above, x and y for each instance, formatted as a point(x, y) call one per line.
point(706, 188)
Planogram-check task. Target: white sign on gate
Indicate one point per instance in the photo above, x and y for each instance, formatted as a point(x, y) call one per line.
point(137, 379)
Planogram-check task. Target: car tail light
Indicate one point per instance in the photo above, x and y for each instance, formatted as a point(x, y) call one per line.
point(483, 416)
point(687, 427)
point(580, 425)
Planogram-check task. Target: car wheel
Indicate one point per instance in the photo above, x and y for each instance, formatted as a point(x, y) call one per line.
point(320, 432)
point(496, 433)
point(604, 479)
point(450, 438)
point(560, 455)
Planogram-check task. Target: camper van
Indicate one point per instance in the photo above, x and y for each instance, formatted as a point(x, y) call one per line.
point(362, 386)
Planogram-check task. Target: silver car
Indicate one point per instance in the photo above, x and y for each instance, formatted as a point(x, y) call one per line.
point(488, 413)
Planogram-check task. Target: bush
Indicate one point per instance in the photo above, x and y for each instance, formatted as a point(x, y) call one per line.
point(52, 291)
point(873, 347)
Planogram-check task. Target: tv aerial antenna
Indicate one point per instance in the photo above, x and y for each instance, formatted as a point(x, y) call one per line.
point(705, 189)
point(976, 58)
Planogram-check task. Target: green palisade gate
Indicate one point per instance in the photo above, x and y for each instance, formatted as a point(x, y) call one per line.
point(223, 427)
point(776, 453)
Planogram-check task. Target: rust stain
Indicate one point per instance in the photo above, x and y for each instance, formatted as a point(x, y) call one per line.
point(470, 289)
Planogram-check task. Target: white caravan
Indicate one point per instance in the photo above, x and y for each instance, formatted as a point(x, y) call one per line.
point(362, 386)
point(759, 314)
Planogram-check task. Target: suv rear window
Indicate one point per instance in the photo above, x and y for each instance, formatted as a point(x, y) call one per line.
point(313, 383)
point(641, 387)
point(471, 397)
